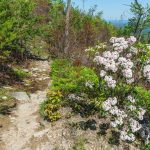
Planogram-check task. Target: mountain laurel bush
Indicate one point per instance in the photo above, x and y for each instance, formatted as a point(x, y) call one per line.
point(122, 66)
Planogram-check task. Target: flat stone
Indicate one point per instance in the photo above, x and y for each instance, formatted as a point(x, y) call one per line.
point(34, 75)
point(41, 133)
point(7, 87)
point(4, 98)
point(43, 70)
point(25, 70)
point(20, 96)
point(26, 84)
point(49, 83)
point(148, 46)
point(46, 78)
point(39, 79)
point(34, 69)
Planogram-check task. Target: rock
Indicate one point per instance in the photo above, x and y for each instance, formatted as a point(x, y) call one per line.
point(39, 79)
point(34, 75)
point(148, 46)
point(25, 70)
point(26, 84)
point(34, 69)
point(43, 70)
point(20, 96)
point(12, 119)
point(144, 132)
point(44, 78)
point(49, 83)
point(4, 98)
point(41, 133)
point(7, 87)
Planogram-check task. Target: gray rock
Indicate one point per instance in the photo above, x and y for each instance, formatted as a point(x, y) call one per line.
point(39, 79)
point(49, 83)
point(144, 132)
point(7, 87)
point(20, 96)
point(41, 133)
point(4, 98)
point(46, 78)
point(25, 70)
point(34, 69)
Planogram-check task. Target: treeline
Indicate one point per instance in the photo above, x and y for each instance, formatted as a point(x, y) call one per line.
point(21, 21)
point(59, 29)
point(85, 28)
point(17, 26)
point(139, 21)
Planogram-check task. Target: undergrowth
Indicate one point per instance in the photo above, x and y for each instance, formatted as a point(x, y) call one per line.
point(6, 102)
point(21, 74)
point(69, 79)
point(69, 88)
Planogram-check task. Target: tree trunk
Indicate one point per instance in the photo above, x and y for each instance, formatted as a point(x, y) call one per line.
point(67, 23)
point(139, 8)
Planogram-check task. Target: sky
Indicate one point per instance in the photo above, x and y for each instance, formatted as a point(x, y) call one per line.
point(112, 9)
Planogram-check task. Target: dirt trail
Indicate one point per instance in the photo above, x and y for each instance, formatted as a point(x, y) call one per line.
point(24, 129)
point(23, 121)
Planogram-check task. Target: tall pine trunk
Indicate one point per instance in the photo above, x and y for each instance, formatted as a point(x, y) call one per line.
point(67, 24)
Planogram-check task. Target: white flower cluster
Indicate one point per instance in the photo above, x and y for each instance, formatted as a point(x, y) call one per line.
point(117, 122)
point(110, 105)
point(135, 126)
point(96, 48)
point(74, 97)
point(131, 40)
point(129, 55)
point(132, 107)
point(141, 113)
point(148, 61)
point(126, 136)
point(118, 64)
point(131, 99)
point(110, 82)
point(107, 105)
point(120, 46)
point(146, 72)
point(89, 84)
point(108, 60)
point(148, 46)
point(126, 65)
point(133, 50)
point(114, 60)
point(90, 49)
point(130, 81)
point(102, 73)
point(100, 46)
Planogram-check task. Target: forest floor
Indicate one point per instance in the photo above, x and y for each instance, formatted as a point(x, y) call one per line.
point(24, 129)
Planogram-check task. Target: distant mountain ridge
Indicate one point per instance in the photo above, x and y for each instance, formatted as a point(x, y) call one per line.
point(118, 23)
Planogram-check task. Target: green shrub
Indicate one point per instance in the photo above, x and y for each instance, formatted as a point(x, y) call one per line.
point(68, 78)
point(145, 147)
point(17, 25)
point(79, 144)
point(49, 108)
point(144, 97)
point(21, 74)
point(6, 102)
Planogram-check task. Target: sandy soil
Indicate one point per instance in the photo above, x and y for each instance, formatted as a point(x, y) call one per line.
point(22, 124)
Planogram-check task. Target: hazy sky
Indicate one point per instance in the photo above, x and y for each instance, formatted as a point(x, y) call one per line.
point(112, 9)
